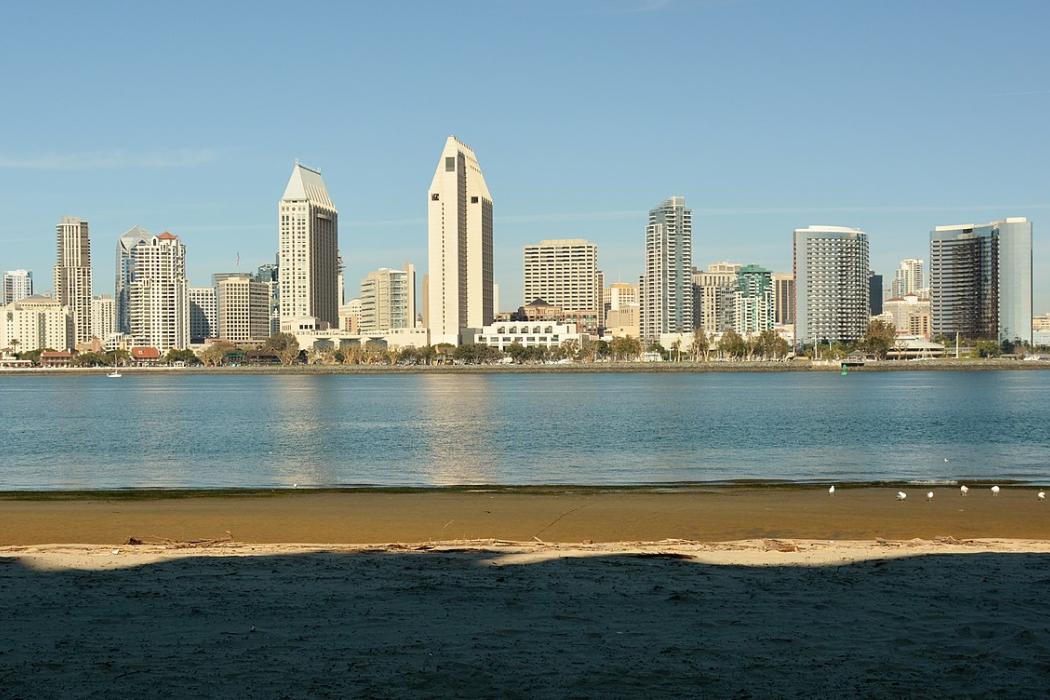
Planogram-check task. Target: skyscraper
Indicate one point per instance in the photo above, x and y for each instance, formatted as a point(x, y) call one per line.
point(387, 300)
point(18, 284)
point(874, 293)
point(753, 301)
point(908, 278)
point(981, 280)
point(158, 296)
point(831, 284)
point(73, 273)
point(268, 274)
point(309, 252)
point(243, 309)
point(125, 274)
point(714, 293)
point(784, 298)
point(564, 273)
point(459, 223)
point(103, 316)
point(666, 286)
point(204, 314)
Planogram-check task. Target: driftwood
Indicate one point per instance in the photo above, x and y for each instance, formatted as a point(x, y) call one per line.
point(181, 544)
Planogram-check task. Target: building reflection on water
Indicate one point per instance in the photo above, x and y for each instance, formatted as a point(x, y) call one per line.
point(457, 428)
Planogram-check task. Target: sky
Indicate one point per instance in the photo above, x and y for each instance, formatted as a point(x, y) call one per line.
point(893, 116)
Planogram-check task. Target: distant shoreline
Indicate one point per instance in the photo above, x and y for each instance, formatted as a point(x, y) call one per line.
point(580, 368)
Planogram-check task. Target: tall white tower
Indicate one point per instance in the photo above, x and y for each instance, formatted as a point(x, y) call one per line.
point(73, 273)
point(308, 257)
point(460, 293)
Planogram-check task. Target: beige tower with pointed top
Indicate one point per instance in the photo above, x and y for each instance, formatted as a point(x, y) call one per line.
point(460, 289)
point(308, 225)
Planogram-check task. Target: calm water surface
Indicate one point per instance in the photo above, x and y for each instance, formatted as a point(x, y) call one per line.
point(80, 432)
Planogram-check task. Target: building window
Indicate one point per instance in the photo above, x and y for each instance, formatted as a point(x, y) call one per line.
point(434, 197)
point(473, 200)
point(450, 164)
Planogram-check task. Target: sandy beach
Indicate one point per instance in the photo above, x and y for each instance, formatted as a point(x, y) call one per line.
point(549, 593)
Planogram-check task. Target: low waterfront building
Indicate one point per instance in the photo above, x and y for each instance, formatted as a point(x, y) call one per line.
point(529, 335)
point(56, 358)
point(335, 339)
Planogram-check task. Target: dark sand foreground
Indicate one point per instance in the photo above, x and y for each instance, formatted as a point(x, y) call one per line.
point(782, 611)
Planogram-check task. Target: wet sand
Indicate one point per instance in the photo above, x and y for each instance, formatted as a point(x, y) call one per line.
point(550, 515)
point(547, 593)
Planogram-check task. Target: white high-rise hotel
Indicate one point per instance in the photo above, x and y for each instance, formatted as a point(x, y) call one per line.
point(666, 288)
point(565, 273)
point(831, 284)
point(459, 223)
point(158, 296)
point(73, 273)
point(308, 255)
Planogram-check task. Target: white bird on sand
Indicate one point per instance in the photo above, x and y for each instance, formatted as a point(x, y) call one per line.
point(1041, 495)
point(929, 495)
point(831, 490)
point(995, 490)
point(901, 495)
point(964, 489)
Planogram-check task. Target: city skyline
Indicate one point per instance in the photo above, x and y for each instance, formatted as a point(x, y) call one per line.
point(751, 179)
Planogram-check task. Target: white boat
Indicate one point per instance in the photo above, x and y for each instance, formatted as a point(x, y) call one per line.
point(114, 374)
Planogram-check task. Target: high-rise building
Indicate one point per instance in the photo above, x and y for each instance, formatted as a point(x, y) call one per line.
point(714, 296)
point(666, 286)
point(340, 280)
point(874, 293)
point(459, 223)
point(309, 252)
point(125, 274)
point(204, 314)
point(908, 278)
point(753, 301)
point(981, 280)
point(73, 273)
point(103, 316)
point(831, 284)
point(784, 298)
point(36, 323)
point(269, 275)
point(243, 309)
point(18, 284)
point(565, 273)
point(388, 300)
point(158, 296)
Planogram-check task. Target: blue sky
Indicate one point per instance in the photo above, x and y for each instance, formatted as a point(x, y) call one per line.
point(892, 116)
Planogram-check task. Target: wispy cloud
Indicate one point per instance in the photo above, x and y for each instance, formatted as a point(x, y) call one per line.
point(107, 160)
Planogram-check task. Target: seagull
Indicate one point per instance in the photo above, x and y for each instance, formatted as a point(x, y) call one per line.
point(963, 489)
point(901, 495)
point(1041, 495)
point(946, 460)
point(995, 490)
point(929, 495)
point(831, 490)
point(295, 486)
